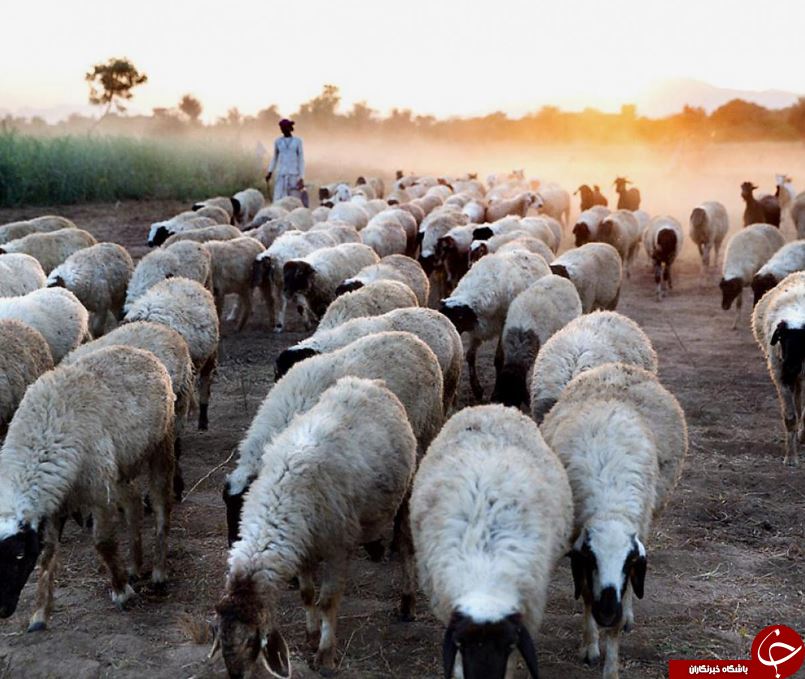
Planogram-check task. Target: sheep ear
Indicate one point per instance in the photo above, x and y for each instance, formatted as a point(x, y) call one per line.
point(275, 656)
point(638, 573)
point(782, 326)
point(525, 644)
point(577, 568)
point(449, 647)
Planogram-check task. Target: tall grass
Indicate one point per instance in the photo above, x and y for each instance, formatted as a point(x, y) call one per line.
point(79, 169)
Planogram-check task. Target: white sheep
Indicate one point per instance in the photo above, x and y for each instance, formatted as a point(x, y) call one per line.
point(25, 356)
point(428, 324)
point(405, 363)
point(349, 213)
point(204, 234)
point(523, 242)
point(269, 231)
point(779, 325)
point(320, 214)
point(555, 202)
point(586, 226)
point(395, 268)
point(491, 515)
point(584, 343)
point(51, 248)
point(596, 271)
point(479, 304)
point(98, 276)
point(798, 214)
point(311, 282)
point(232, 264)
point(341, 233)
point(301, 218)
point(332, 480)
point(535, 315)
point(623, 439)
point(246, 204)
point(662, 240)
point(373, 299)
point(188, 308)
point(268, 268)
point(46, 224)
point(267, 214)
point(81, 434)
point(622, 231)
point(385, 235)
point(518, 205)
point(54, 312)
point(223, 202)
point(709, 224)
point(288, 203)
point(185, 259)
point(747, 251)
point(161, 231)
point(20, 274)
point(787, 260)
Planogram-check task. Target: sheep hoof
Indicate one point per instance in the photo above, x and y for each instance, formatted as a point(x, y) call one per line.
point(38, 626)
point(791, 461)
point(407, 608)
point(375, 550)
point(628, 626)
point(278, 328)
point(313, 639)
point(590, 657)
point(325, 661)
point(121, 598)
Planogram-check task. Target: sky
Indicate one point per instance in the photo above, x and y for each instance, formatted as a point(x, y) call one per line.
point(436, 57)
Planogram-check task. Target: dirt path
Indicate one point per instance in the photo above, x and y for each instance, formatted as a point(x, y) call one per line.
point(727, 557)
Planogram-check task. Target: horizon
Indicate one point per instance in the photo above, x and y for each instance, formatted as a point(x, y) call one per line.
point(397, 59)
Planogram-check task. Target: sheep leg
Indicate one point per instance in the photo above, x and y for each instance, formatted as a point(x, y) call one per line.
point(404, 545)
point(475, 384)
point(589, 651)
point(98, 322)
point(133, 510)
point(307, 590)
point(280, 324)
point(205, 385)
point(658, 279)
point(332, 589)
point(738, 304)
point(48, 563)
point(668, 279)
point(178, 479)
point(611, 650)
point(268, 298)
point(499, 356)
point(788, 401)
point(106, 546)
point(628, 610)
point(160, 486)
point(244, 309)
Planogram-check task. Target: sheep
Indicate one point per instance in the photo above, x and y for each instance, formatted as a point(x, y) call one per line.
point(798, 214)
point(589, 197)
point(628, 199)
point(535, 315)
point(46, 224)
point(555, 203)
point(206, 233)
point(372, 299)
point(428, 324)
point(584, 343)
point(491, 515)
point(311, 282)
point(267, 271)
point(25, 356)
point(414, 210)
point(788, 259)
point(475, 211)
point(51, 248)
point(586, 226)
point(20, 274)
point(404, 362)
point(54, 312)
point(395, 268)
point(545, 228)
point(709, 224)
point(69, 454)
point(359, 447)
point(188, 308)
point(288, 203)
point(385, 235)
point(747, 251)
point(521, 242)
point(320, 214)
point(662, 240)
point(763, 211)
point(269, 231)
point(596, 271)
point(161, 231)
point(220, 215)
point(341, 233)
point(98, 276)
point(246, 204)
point(267, 214)
point(301, 218)
point(232, 262)
point(349, 213)
point(405, 220)
point(185, 259)
point(785, 191)
point(623, 439)
point(223, 202)
point(778, 324)
point(622, 231)
point(481, 299)
point(435, 226)
point(518, 205)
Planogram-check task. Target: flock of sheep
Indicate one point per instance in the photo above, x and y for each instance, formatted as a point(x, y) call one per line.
point(360, 441)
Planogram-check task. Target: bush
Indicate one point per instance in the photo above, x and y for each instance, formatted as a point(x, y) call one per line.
point(81, 169)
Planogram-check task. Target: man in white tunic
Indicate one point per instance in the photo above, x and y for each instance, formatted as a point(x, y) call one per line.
point(289, 163)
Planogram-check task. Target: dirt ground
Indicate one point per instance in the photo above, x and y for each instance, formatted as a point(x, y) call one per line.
point(727, 558)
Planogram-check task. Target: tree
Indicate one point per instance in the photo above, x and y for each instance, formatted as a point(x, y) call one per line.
point(796, 116)
point(110, 84)
point(191, 107)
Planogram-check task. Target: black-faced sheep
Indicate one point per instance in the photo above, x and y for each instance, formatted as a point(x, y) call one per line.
point(393, 268)
point(245, 205)
point(51, 248)
point(662, 240)
point(787, 260)
point(373, 299)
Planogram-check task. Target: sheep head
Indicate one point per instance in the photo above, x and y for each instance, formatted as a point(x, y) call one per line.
point(730, 289)
point(761, 284)
point(792, 348)
point(605, 558)
point(18, 554)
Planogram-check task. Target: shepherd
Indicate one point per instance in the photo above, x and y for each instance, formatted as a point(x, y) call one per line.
point(289, 163)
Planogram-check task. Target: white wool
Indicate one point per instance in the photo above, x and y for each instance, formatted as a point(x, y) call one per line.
point(596, 271)
point(20, 274)
point(373, 299)
point(788, 259)
point(750, 249)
